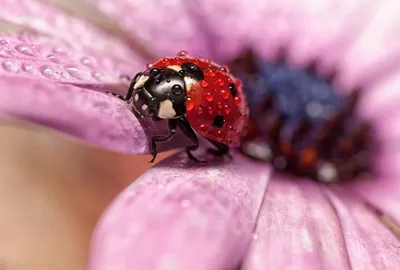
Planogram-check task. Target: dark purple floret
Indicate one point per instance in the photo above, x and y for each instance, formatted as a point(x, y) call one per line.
point(300, 123)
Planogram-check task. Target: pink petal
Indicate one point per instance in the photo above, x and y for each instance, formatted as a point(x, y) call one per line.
point(178, 216)
point(91, 116)
point(369, 243)
point(77, 33)
point(28, 56)
point(297, 229)
point(165, 26)
point(376, 52)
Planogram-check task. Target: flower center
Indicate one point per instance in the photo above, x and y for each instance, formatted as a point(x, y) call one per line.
point(300, 124)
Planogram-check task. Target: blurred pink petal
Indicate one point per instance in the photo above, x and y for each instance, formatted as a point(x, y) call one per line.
point(181, 217)
point(165, 26)
point(297, 229)
point(369, 243)
point(75, 32)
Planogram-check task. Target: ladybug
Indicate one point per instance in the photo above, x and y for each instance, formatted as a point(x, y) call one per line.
point(194, 95)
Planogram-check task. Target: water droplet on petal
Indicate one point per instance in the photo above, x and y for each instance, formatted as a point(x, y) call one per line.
point(3, 42)
point(29, 68)
point(77, 73)
point(189, 104)
point(24, 49)
point(10, 66)
point(50, 72)
point(224, 94)
point(59, 51)
point(101, 77)
point(87, 61)
point(54, 58)
point(204, 83)
point(209, 97)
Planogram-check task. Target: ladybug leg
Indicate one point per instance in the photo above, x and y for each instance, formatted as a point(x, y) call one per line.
point(130, 89)
point(222, 149)
point(172, 124)
point(189, 133)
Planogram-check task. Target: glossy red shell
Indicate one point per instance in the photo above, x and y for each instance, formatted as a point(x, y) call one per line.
point(211, 97)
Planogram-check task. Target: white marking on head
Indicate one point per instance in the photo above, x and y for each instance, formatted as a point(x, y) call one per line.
point(189, 82)
point(166, 110)
point(175, 67)
point(136, 97)
point(144, 107)
point(141, 81)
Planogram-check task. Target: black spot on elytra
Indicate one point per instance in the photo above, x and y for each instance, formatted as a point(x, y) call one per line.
point(192, 70)
point(218, 121)
point(233, 89)
point(176, 89)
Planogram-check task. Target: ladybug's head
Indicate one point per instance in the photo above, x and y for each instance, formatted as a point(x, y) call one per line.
point(159, 92)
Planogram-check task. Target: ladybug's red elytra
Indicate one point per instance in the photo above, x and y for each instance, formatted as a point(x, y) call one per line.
point(193, 94)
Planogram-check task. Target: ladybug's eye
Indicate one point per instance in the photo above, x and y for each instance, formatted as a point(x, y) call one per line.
point(193, 70)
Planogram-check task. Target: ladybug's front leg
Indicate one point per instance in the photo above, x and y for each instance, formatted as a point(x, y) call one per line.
point(189, 133)
point(172, 124)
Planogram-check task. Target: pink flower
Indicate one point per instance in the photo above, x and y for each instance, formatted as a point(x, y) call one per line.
point(240, 212)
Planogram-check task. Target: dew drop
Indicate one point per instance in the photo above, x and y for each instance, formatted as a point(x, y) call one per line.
point(207, 61)
point(29, 68)
point(211, 73)
point(3, 42)
point(50, 72)
point(200, 110)
point(24, 49)
point(59, 51)
point(165, 61)
point(77, 73)
point(54, 58)
point(224, 69)
point(219, 104)
point(224, 94)
point(221, 82)
point(101, 77)
point(183, 53)
point(204, 83)
point(149, 65)
point(219, 134)
point(209, 96)
point(203, 128)
point(87, 61)
point(229, 140)
point(210, 110)
point(189, 104)
point(227, 109)
point(238, 101)
point(10, 66)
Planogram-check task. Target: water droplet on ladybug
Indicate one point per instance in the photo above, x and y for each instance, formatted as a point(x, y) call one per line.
point(238, 101)
point(157, 81)
point(210, 110)
point(165, 61)
point(149, 65)
point(219, 104)
point(224, 94)
point(183, 53)
point(227, 109)
point(211, 73)
point(176, 90)
point(204, 83)
point(207, 61)
point(209, 96)
point(203, 128)
point(168, 80)
point(229, 140)
point(200, 110)
point(196, 60)
point(219, 134)
point(189, 104)
point(221, 82)
point(154, 71)
point(224, 69)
